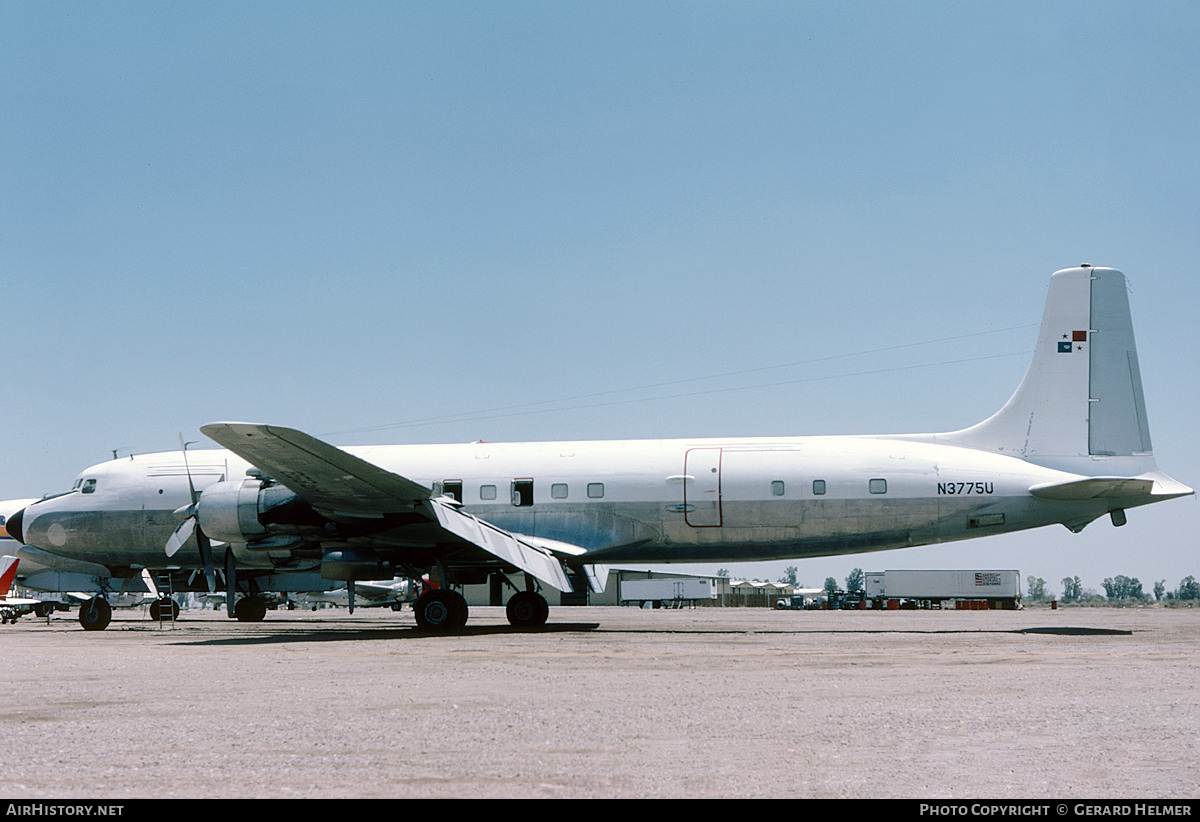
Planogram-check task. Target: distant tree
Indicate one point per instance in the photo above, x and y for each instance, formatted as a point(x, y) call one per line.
point(1188, 588)
point(789, 575)
point(854, 582)
point(1160, 590)
point(1121, 587)
point(1035, 588)
point(1072, 590)
point(723, 573)
point(830, 585)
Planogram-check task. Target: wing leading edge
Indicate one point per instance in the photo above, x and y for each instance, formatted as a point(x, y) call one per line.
point(339, 484)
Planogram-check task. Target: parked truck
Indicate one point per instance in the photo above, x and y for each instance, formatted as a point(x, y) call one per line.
point(943, 589)
point(667, 590)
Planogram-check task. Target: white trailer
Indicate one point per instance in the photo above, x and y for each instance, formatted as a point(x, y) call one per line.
point(668, 589)
point(992, 589)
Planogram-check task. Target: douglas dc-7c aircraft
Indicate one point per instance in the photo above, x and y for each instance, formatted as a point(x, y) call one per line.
point(280, 508)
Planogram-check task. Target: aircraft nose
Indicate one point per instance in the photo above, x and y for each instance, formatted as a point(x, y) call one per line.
point(13, 525)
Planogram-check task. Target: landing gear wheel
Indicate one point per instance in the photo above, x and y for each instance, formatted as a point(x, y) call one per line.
point(164, 610)
point(95, 614)
point(527, 609)
point(250, 609)
point(441, 610)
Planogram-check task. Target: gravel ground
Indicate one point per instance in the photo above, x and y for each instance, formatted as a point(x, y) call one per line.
point(608, 702)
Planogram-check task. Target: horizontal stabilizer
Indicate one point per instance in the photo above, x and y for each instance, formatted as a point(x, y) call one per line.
point(1094, 487)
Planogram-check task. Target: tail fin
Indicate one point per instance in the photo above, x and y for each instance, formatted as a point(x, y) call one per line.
point(8, 573)
point(1080, 406)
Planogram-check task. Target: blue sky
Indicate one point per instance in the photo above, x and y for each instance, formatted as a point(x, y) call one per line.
point(512, 218)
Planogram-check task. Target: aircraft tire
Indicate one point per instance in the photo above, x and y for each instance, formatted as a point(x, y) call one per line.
point(441, 610)
point(250, 609)
point(527, 609)
point(460, 610)
point(95, 614)
point(160, 610)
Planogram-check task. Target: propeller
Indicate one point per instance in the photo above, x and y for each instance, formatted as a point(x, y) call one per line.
point(190, 525)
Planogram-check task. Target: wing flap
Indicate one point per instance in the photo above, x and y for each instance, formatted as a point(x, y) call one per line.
point(498, 542)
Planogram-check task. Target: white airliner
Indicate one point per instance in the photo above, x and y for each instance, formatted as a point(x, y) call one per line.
point(280, 508)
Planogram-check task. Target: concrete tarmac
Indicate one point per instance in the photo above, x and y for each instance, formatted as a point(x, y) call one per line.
point(607, 702)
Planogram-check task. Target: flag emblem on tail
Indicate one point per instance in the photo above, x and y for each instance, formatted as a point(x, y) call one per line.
point(1067, 343)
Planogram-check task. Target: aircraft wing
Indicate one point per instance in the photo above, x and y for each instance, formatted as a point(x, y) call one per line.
point(326, 477)
point(339, 484)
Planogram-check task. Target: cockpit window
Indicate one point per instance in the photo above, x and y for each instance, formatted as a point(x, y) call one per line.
point(89, 486)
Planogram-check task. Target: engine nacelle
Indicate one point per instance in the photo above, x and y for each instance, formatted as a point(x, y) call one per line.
point(228, 511)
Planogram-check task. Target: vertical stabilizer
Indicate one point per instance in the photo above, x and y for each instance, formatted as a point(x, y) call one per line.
point(1080, 403)
point(8, 573)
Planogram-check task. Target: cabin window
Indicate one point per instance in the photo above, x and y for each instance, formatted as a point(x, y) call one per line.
point(819, 487)
point(777, 487)
point(487, 492)
point(595, 490)
point(877, 486)
point(522, 493)
point(558, 490)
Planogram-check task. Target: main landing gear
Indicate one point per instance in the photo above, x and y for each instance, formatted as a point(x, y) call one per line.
point(250, 609)
point(95, 614)
point(164, 609)
point(527, 609)
point(441, 609)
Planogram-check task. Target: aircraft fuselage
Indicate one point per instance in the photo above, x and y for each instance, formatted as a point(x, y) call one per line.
point(701, 500)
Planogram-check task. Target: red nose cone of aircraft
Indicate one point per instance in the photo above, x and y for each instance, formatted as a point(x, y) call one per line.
point(13, 525)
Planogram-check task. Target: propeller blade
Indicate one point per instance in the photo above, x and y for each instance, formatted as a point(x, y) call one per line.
point(202, 541)
point(230, 581)
point(206, 559)
point(180, 536)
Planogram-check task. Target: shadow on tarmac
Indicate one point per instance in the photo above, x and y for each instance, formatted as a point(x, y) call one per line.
point(359, 634)
point(389, 633)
